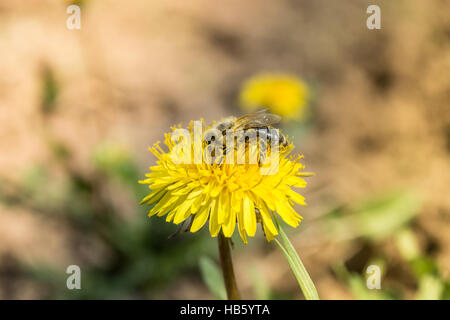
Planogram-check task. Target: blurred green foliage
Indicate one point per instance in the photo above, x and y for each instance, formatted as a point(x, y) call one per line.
point(261, 289)
point(50, 91)
point(384, 218)
point(121, 252)
point(358, 286)
point(134, 257)
point(374, 218)
point(139, 259)
point(212, 276)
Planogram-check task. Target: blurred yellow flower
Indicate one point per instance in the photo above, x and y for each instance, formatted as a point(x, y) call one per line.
point(284, 94)
point(225, 194)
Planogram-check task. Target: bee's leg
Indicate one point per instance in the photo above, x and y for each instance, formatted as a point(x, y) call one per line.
point(262, 139)
point(227, 141)
point(189, 225)
point(259, 220)
point(226, 149)
point(219, 143)
point(178, 231)
point(219, 159)
point(282, 141)
point(258, 215)
point(210, 152)
point(262, 227)
point(240, 138)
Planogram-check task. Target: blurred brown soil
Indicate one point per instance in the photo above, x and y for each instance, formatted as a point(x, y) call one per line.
point(382, 104)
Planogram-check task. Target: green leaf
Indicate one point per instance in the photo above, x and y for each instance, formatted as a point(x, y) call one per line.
point(359, 289)
point(358, 285)
point(407, 244)
point(430, 288)
point(297, 267)
point(382, 216)
point(212, 276)
point(424, 265)
point(375, 218)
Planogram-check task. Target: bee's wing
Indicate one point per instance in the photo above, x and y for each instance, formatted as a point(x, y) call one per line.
point(256, 120)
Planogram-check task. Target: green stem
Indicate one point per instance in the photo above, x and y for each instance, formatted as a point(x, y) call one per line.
point(226, 263)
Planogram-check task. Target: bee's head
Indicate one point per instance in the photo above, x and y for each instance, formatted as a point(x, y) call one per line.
point(283, 141)
point(225, 124)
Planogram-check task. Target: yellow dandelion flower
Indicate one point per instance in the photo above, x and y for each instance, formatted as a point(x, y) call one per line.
point(284, 94)
point(226, 195)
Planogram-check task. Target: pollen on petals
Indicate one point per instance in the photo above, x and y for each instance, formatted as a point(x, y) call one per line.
point(224, 196)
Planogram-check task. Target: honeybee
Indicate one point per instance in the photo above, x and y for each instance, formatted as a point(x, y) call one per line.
point(258, 123)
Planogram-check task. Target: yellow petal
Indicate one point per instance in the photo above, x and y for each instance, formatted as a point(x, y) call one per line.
point(176, 185)
point(295, 182)
point(267, 218)
point(240, 219)
point(166, 200)
point(197, 204)
point(215, 190)
point(224, 207)
point(288, 214)
point(236, 201)
point(296, 197)
point(249, 216)
point(230, 224)
point(200, 218)
point(195, 193)
point(268, 234)
point(214, 226)
point(170, 216)
point(183, 211)
point(153, 197)
point(171, 209)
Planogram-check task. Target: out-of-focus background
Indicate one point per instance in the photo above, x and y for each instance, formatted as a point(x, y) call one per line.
point(79, 108)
